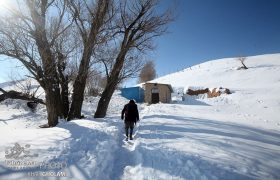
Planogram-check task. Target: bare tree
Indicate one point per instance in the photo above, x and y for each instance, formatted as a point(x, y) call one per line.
point(25, 86)
point(132, 65)
point(95, 83)
point(90, 18)
point(242, 59)
point(38, 34)
point(18, 95)
point(136, 25)
point(29, 34)
point(148, 72)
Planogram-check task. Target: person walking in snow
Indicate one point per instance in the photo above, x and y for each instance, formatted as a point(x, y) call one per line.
point(131, 116)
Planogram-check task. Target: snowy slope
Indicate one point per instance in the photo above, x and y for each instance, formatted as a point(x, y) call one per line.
point(222, 72)
point(256, 90)
point(233, 136)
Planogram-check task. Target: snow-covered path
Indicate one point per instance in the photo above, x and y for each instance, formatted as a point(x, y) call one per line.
point(182, 147)
point(125, 156)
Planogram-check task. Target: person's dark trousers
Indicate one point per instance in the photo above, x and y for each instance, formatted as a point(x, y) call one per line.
point(129, 125)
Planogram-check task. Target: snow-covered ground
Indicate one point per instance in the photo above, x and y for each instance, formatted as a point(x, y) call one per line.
point(234, 136)
point(256, 98)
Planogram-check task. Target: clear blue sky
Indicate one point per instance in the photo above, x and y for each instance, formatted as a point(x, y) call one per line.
point(212, 29)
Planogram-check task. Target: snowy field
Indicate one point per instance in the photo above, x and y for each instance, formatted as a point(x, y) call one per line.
point(234, 136)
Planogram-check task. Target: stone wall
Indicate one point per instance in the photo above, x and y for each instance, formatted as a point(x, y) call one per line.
point(164, 92)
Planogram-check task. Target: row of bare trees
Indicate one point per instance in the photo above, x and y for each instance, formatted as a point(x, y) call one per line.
point(49, 36)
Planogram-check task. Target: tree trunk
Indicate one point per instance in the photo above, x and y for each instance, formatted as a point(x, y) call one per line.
point(111, 85)
point(77, 98)
point(89, 43)
point(18, 95)
point(79, 86)
point(63, 81)
point(64, 97)
point(244, 66)
point(53, 105)
point(105, 100)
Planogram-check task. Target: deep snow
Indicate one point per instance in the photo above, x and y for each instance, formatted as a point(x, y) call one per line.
point(233, 136)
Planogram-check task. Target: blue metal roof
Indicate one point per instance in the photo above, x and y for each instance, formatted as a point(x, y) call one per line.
point(136, 93)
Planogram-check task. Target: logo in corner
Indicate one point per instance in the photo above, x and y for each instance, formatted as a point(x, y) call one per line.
point(19, 152)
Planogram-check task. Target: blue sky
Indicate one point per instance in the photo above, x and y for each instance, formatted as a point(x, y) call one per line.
point(211, 29)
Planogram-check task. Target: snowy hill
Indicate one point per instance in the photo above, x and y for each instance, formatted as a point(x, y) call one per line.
point(234, 136)
point(223, 72)
point(256, 90)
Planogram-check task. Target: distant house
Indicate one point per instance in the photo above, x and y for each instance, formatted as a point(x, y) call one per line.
point(136, 93)
point(155, 93)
